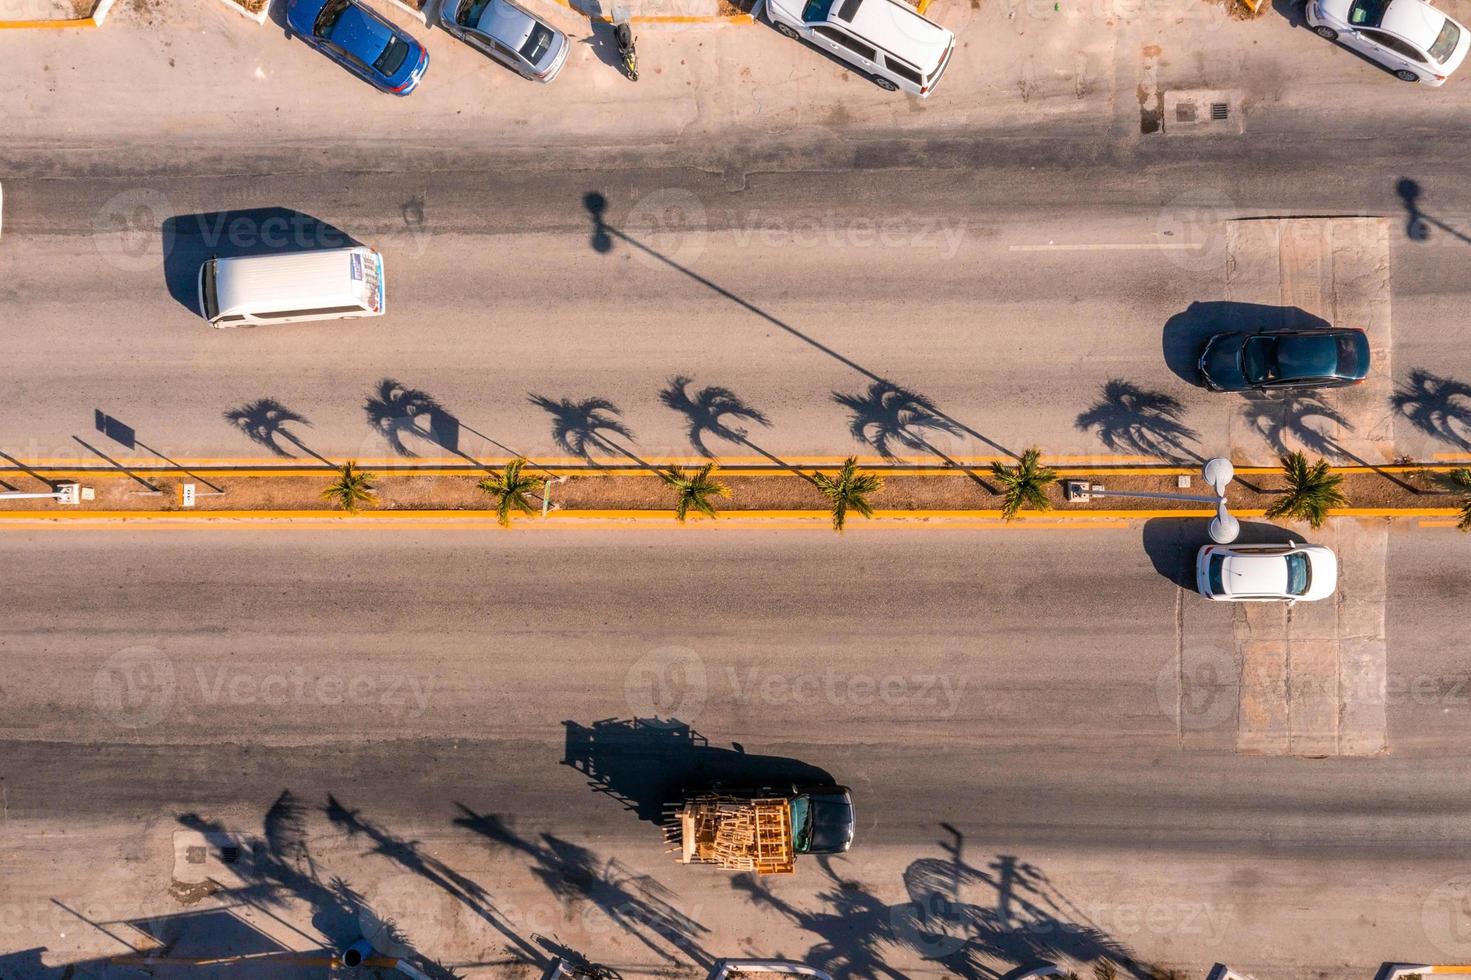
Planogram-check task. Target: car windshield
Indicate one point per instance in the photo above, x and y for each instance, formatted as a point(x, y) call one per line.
point(536, 45)
point(1217, 574)
point(393, 55)
point(1348, 358)
point(1367, 13)
point(1446, 41)
point(801, 823)
point(328, 17)
point(816, 11)
point(1259, 359)
point(470, 11)
point(1299, 575)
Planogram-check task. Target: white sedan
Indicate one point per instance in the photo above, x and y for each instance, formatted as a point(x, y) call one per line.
point(1266, 572)
point(1409, 37)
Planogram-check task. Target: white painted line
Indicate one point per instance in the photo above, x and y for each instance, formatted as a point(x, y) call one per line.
point(1110, 247)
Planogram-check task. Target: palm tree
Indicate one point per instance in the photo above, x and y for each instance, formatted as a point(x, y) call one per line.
point(1025, 484)
point(694, 489)
point(1312, 491)
point(1460, 482)
point(352, 487)
point(509, 488)
point(850, 489)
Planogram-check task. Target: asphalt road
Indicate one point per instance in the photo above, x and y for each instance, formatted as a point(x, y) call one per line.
point(1009, 693)
point(796, 290)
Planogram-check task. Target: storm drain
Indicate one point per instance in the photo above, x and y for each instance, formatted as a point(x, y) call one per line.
point(1201, 111)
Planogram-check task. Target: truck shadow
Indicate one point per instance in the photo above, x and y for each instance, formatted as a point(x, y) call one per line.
point(649, 765)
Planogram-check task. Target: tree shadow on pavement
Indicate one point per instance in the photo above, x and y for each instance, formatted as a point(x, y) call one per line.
point(395, 410)
point(976, 922)
point(411, 857)
point(710, 411)
point(267, 423)
point(1439, 407)
point(649, 765)
point(1173, 542)
point(580, 427)
point(1130, 419)
point(638, 903)
point(189, 240)
point(888, 417)
point(1186, 332)
point(604, 237)
point(279, 869)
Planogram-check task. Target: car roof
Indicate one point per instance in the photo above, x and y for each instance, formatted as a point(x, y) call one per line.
point(899, 30)
point(1413, 20)
point(1254, 574)
point(361, 33)
point(508, 24)
point(289, 281)
point(1302, 356)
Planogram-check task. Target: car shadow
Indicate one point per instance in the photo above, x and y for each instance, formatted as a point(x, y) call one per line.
point(1292, 11)
point(1186, 332)
point(1173, 542)
point(191, 239)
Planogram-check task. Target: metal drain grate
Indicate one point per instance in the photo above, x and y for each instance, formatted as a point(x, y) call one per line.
point(1220, 110)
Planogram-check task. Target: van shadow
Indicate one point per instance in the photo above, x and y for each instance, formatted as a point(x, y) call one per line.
point(189, 240)
point(1173, 542)
point(650, 765)
point(1186, 332)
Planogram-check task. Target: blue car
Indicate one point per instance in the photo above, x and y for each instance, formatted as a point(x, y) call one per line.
point(361, 41)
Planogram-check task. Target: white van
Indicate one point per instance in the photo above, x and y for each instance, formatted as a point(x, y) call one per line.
point(329, 284)
point(888, 40)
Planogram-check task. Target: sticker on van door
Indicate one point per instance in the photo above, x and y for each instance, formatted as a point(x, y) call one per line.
point(357, 266)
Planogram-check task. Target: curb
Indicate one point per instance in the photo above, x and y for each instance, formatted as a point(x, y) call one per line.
point(258, 19)
point(583, 518)
point(94, 19)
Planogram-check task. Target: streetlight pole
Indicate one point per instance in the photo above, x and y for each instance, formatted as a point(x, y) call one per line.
point(1218, 473)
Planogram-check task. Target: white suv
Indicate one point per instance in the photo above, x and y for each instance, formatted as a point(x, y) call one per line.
point(888, 40)
point(1409, 37)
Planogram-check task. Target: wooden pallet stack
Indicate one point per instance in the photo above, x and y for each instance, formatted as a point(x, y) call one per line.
point(735, 834)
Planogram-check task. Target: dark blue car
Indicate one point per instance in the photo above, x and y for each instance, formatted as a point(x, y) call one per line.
point(1285, 359)
point(361, 41)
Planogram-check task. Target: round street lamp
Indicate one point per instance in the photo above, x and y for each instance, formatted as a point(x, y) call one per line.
point(1218, 473)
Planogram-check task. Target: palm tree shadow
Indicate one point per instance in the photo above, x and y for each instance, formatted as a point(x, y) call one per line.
point(638, 903)
point(707, 410)
point(1130, 419)
point(1029, 920)
point(602, 241)
point(1438, 406)
point(265, 422)
point(1278, 418)
point(394, 410)
point(280, 869)
point(886, 415)
point(580, 427)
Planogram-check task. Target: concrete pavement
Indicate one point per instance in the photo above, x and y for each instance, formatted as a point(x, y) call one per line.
point(1022, 782)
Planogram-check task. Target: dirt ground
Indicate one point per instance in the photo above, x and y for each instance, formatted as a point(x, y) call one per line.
point(115, 491)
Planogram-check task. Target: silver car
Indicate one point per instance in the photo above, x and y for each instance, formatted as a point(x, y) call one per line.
point(1409, 37)
point(510, 35)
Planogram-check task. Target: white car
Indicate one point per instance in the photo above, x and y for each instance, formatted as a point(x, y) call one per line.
point(1266, 572)
point(1409, 37)
point(887, 40)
